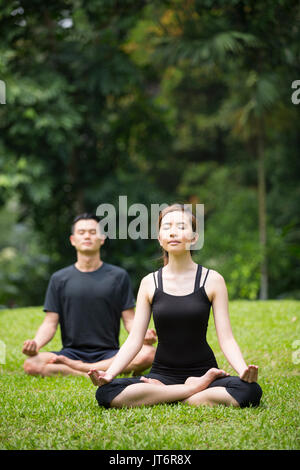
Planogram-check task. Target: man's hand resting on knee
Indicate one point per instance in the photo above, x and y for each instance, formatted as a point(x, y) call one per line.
point(150, 337)
point(30, 347)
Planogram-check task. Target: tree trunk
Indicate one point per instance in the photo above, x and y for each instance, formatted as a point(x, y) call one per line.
point(262, 217)
point(77, 193)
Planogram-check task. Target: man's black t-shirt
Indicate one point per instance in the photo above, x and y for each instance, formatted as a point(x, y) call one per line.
point(89, 305)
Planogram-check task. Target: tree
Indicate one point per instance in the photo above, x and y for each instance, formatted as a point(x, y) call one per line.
point(245, 49)
point(79, 126)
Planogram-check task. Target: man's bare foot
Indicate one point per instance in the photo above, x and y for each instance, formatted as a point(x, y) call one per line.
point(73, 363)
point(201, 383)
point(59, 359)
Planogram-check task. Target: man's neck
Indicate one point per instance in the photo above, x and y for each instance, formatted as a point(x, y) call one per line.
point(86, 263)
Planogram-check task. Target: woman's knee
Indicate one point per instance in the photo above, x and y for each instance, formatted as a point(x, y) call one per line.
point(107, 395)
point(247, 394)
point(255, 394)
point(211, 397)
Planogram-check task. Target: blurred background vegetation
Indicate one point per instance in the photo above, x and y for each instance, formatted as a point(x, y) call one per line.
point(162, 101)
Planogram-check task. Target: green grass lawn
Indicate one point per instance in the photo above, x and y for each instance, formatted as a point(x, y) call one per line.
point(62, 413)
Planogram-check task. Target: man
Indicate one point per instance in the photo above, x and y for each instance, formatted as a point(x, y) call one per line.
point(88, 300)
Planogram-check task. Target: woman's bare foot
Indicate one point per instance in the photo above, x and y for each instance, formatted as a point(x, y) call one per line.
point(151, 381)
point(201, 383)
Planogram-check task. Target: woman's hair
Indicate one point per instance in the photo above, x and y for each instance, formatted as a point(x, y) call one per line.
point(172, 208)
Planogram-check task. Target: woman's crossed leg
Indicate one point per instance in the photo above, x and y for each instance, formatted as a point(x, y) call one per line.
point(151, 392)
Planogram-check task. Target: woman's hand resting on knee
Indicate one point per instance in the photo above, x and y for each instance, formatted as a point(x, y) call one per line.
point(250, 374)
point(99, 377)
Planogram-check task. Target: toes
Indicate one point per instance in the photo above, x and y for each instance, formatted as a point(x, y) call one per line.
point(223, 373)
point(145, 379)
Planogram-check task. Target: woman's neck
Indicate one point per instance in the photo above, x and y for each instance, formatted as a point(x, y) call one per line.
point(180, 263)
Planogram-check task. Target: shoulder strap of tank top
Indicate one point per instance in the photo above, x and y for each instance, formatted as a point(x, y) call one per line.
point(198, 277)
point(159, 278)
point(205, 278)
point(154, 280)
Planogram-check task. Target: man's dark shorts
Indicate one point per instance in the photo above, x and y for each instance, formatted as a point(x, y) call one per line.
point(84, 356)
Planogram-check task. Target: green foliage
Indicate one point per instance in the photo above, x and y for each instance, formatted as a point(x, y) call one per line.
point(231, 206)
point(77, 120)
point(24, 268)
point(109, 98)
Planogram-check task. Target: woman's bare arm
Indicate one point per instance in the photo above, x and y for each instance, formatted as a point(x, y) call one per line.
point(134, 342)
point(225, 336)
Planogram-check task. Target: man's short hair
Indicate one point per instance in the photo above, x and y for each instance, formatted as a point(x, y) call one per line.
point(84, 216)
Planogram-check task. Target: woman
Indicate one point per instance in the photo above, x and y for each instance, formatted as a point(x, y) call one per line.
point(180, 296)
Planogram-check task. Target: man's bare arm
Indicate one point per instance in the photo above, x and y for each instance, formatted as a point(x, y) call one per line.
point(43, 335)
point(128, 317)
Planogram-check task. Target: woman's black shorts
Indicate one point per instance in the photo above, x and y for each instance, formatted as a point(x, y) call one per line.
point(246, 394)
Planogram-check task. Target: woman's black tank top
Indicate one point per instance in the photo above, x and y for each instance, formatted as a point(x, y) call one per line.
point(181, 325)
